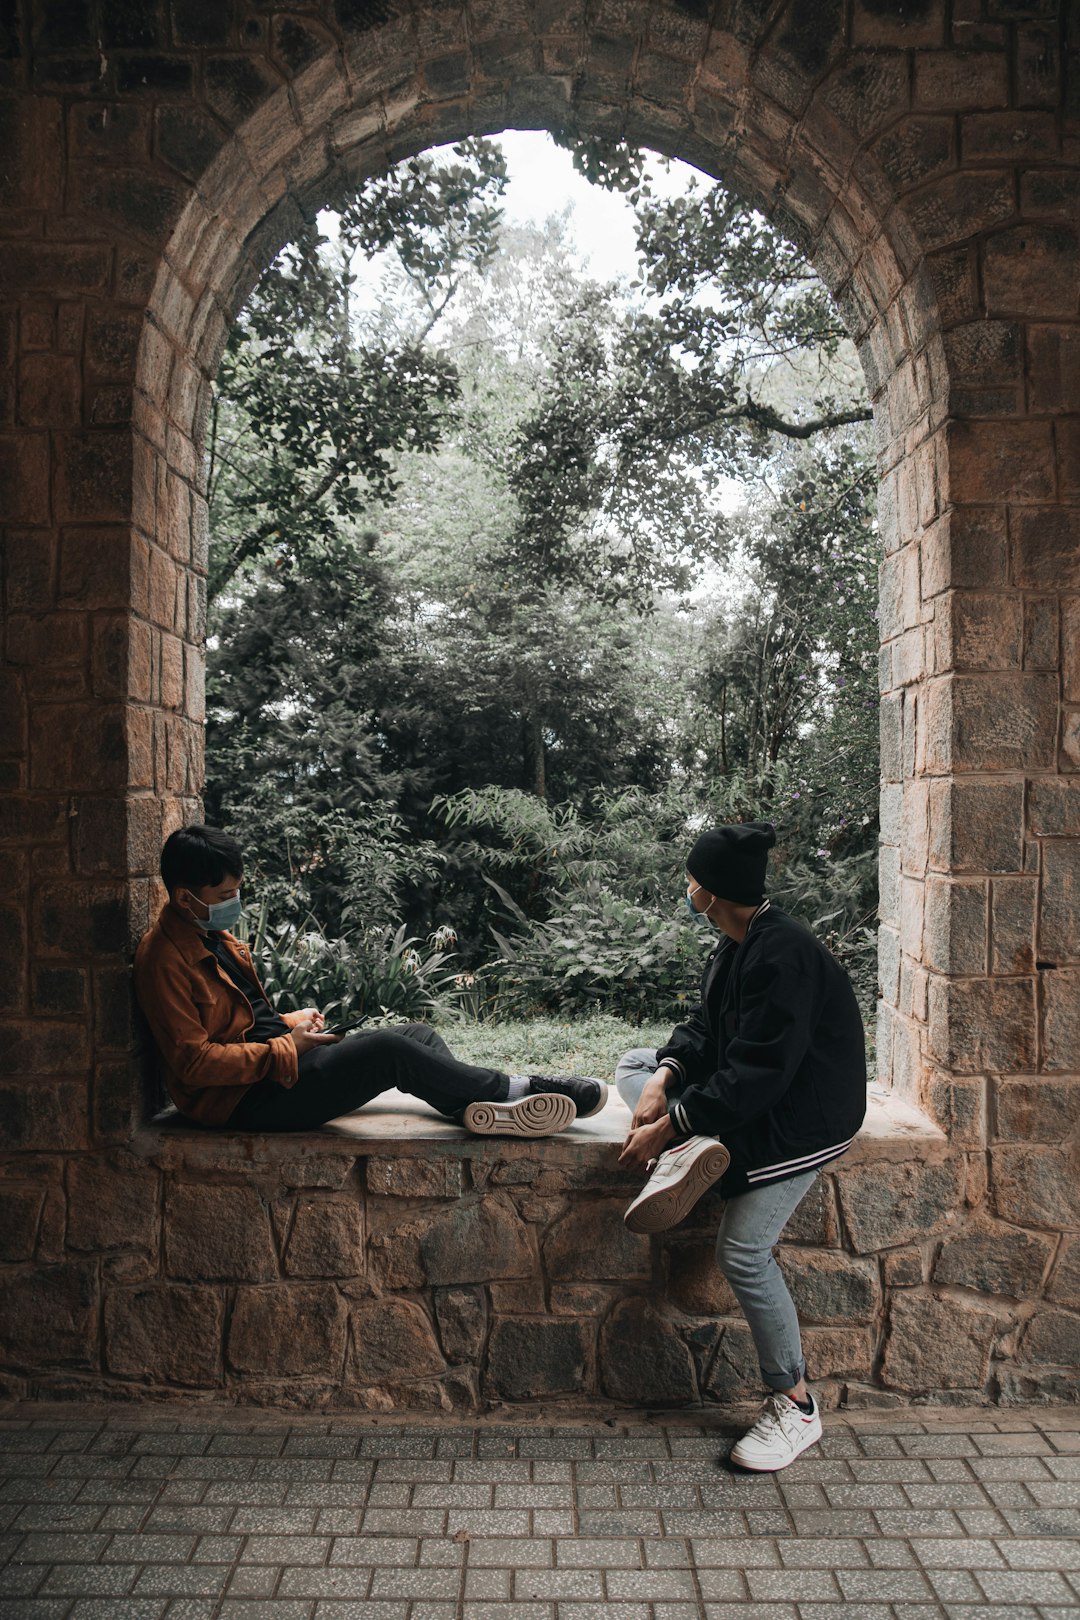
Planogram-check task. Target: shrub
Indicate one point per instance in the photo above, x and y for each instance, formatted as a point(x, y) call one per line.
point(380, 974)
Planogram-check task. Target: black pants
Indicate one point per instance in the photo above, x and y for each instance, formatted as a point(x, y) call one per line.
point(340, 1078)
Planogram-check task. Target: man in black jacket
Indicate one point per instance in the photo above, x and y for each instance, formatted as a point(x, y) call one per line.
point(764, 1084)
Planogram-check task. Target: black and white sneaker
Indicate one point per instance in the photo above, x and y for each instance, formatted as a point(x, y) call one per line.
point(551, 1103)
point(587, 1096)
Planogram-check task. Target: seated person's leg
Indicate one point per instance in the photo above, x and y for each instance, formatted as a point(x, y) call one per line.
point(633, 1069)
point(339, 1079)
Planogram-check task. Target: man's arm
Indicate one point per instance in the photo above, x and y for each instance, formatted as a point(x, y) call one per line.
point(777, 1008)
point(186, 1046)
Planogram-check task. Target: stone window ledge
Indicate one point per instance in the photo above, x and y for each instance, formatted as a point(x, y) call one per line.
point(398, 1126)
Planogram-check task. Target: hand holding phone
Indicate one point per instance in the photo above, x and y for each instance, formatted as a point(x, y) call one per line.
point(343, 1029)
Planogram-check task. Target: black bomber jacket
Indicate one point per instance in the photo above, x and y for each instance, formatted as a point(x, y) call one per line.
point(773, 1061)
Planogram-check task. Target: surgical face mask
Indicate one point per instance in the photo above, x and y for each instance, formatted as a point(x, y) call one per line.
point(690, 906)
point(221, 914)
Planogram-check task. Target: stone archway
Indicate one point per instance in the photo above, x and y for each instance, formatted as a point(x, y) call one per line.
point(917, 155)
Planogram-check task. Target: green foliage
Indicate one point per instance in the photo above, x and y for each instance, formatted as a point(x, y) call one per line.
point(600, 951)
point(379, 974)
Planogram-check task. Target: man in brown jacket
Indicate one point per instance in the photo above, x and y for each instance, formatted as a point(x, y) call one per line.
point(230, 1060)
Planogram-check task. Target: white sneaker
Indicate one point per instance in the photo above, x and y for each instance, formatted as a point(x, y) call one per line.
point(781, 1432)
point(681, 1175)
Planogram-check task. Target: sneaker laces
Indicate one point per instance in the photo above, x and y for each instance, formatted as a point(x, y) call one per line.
point(774, 1413)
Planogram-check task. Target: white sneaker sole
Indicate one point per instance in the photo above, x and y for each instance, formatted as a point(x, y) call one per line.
point(768, 1466)
point(543, 1114)
point(660, 1210)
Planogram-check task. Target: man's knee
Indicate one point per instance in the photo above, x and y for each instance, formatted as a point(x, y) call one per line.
point(739, 1262)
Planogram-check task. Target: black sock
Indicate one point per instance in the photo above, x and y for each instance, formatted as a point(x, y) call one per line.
point(806, 1406)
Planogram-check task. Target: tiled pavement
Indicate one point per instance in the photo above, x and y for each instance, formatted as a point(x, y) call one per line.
point(211, 1514)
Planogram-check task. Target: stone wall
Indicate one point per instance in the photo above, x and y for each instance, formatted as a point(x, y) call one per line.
point(927, 155)
point(439, 1272)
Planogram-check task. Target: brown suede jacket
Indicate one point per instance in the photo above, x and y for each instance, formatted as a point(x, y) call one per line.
point(199, 1020)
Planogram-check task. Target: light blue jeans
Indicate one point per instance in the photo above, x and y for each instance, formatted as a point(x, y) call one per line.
point(751, 1223)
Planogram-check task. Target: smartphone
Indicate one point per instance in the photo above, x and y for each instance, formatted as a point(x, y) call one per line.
point(342, 1029)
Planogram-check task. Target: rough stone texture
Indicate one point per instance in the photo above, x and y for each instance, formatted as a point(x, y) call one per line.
point(1052, 1337)
point(112, 1204)
point(695, 1282)
point(995, 1260)
point(462, 1322)
point(218, 1234)
point(293, 1330)
point(936, 1343)
point(327, 1239)
point(605, 1247)
point(830, 1287)
point(165, 1333)
point(392, 1339)
point(529, 1358)
point(50, 1315)
point(643, 1359)
point(884, 1211)
point(927, 158)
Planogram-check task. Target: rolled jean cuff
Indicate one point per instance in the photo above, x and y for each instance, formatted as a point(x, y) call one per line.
point(783, 1380)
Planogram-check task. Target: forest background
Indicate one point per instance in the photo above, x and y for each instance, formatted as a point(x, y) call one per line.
point(519, 578)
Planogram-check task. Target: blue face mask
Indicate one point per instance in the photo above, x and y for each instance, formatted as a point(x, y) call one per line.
point(691, 908)
point(223, 914)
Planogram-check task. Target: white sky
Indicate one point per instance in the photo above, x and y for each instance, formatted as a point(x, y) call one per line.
point(543, 180)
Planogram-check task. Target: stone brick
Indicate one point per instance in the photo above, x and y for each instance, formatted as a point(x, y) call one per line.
point(642, 1358)
point(959, 79)
point(980, 1025)
point(1016, 457)
point(24, 476)
point(293, 1330)
point(1032, 270)
point(462, 1322)
point(50, 391)
point(165, 1333)
point(991, 722)
point(415, 1178)
point(112, 1204)
point(1054, 807)
point(830, 1287)
point(1035, 1187)
point(935, 1342)
point(955, 925)
point(1041, 632)
point(885, 1205)
point(734, 1374)
point(392, 1338)
point(978, 632)
point(20, 1214)
point(49, 1316)
point(838, 1352)
point(695, 1282)
point(995, 1259)
point(218, 1234)
point(42, 1116)
point(916, 150)
point(967, 548)
point(902, 1268)
point(1061, 1019)
point(1059, 921)
point(609, 1250)
point(81, 918)
point(1046, 549)
point(531, 1357)
point(1064, 1284)
point(93, 476)
point(469, 1243)
point(977, 826)
point(1012, 924)
point(814, 1220)
point(327, 1239)
point(1051, 1337)
point(957, 206)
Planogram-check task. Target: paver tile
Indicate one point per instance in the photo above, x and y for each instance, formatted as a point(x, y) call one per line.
point(194, 1580)
point(651, 1585)
point(285, 1549)
point(89, 1580)
point(599, 1553)
point(399, 1552)
point(542, 1584)
point(800, 1585)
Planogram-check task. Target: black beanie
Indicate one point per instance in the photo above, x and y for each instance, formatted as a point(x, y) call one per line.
point(730, 861)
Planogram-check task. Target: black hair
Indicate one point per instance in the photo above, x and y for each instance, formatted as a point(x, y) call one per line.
point(195, 857)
